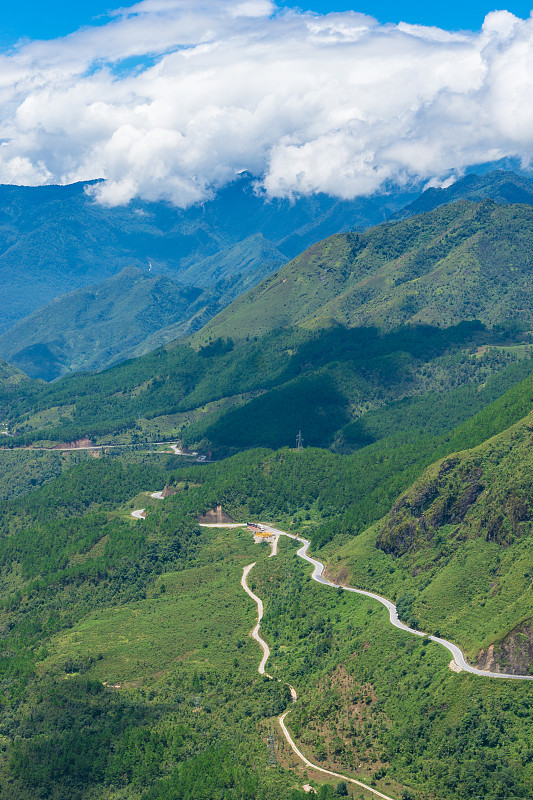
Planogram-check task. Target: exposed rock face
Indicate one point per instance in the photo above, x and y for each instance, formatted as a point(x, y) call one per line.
point(514, 654)
point(168, 491)
point(74, 444)
point(418, 515)
point(215, 516)
point(486, 492)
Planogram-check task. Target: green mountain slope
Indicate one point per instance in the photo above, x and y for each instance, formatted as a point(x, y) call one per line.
point(12, 383)
point(460, 261)
point(128, 670)
point(225, 250)
point(456, 551)
point(252, 388)
point(318, 382)
point(131, 313)
point(93, 327)
point(55, 239)
point(255, 257)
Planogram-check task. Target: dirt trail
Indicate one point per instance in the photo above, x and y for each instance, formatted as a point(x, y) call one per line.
point(281, 719)
point(255, 632)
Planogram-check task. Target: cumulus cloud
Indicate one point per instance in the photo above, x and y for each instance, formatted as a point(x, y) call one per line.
point(172, 98)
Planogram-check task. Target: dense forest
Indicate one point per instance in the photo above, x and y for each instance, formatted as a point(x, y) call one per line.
point(225, 397)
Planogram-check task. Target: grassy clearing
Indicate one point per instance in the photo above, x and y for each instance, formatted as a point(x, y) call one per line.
point(195, 617)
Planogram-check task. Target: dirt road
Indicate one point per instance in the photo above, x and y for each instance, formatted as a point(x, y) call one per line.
point(281, 719)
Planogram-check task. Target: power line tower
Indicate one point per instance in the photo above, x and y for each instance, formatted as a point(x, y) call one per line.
point(299, 441)
point(271, 740)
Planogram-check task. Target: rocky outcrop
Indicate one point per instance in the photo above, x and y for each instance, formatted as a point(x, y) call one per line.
point(442, 500)
point(513, 655)
point(74, 444)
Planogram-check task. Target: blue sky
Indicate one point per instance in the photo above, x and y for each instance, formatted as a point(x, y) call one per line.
point(36, 19)
point(449, 15)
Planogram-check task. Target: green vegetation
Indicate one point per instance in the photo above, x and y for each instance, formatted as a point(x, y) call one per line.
point(384, 704)
point(309, 353)
point(463, 261)
point(93, 327)
point(12, 382)
point(22, 471)
point(126, 669)
point(112, 630)
point(501, 186)
point(56, 239)
point(230, 395)
point(456, 550)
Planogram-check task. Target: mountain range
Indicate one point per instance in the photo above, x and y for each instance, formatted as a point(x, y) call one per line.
point(402, 354)
point(55, 239)
point(204, 260)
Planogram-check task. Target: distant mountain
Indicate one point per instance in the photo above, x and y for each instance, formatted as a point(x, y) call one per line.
point(54, 239)
point(501, 186)
point(462, 261)
point(254, 258)
point(91, 328)
point(132, 313)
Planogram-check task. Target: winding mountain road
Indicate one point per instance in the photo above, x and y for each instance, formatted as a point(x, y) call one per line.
point(457, 654)
point(458, 662)
point(255, 632)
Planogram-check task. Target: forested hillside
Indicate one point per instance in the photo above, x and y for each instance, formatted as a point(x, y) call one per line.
point(126, 666)
point(90, 328)
point(12, 386)
point(501, 186)
point(54, 239)
point(231, 396)
point(462, 261)
point(126, 662)
point(63, 241)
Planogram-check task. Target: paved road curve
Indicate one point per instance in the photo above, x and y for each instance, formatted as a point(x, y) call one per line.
point(310, 764)
point(456, 651)
point(261, 670)
point(458, 662)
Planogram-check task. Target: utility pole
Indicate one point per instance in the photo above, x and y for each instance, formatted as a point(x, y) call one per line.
point(299, 441)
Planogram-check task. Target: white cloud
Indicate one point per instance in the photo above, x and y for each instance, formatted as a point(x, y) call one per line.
point(171, 98)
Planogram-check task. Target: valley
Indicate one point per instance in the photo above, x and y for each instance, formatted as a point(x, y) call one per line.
point(266, 401)
point(399, 361)
point(141, 658)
